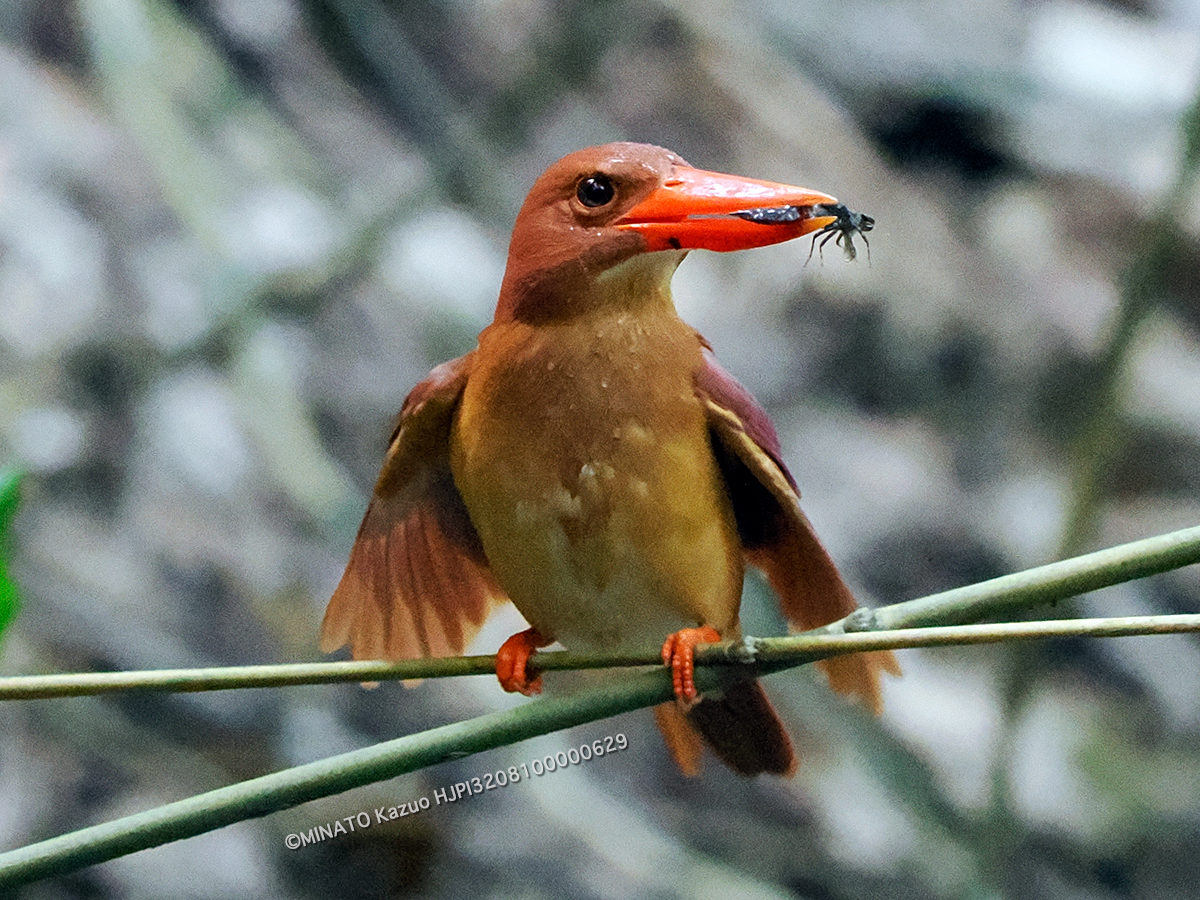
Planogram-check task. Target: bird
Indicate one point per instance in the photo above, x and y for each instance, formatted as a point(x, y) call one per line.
point(592, 462)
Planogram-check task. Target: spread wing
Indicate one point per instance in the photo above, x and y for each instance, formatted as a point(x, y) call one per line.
point(417, 583)
point(776, 535)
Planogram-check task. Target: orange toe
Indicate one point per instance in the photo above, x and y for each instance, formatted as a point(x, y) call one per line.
point(512, 660)
point(679, 652)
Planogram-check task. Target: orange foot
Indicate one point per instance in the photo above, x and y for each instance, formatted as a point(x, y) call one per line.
point(679, 651)
point(513, 657)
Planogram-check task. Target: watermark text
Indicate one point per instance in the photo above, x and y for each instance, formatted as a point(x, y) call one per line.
point(460, 790)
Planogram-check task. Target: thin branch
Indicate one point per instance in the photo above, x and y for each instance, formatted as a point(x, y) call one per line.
point(766, 654)
point(42, 687)
point(1006, 594)
point(281, 790)
point(1033, 587)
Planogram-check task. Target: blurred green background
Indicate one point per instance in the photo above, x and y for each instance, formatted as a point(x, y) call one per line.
point(234, 233)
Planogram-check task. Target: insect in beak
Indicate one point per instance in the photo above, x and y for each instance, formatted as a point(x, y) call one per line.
point(842, 229)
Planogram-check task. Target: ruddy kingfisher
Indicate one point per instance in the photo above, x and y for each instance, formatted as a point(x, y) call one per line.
point(592, 462)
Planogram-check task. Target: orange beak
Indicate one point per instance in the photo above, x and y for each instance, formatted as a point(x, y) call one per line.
point(699, 210)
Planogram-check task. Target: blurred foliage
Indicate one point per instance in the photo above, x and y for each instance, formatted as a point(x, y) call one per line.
point(10, 496)
point(1103, 435)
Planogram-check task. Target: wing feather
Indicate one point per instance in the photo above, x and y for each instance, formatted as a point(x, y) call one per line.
point(417, 582)
point(776, 535)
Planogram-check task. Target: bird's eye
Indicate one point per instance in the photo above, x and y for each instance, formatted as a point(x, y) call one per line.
point(595, 190)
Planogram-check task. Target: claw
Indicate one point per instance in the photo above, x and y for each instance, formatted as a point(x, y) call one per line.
point(512, 659)
point(679, 651)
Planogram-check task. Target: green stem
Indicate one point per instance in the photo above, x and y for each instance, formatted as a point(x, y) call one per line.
point(1143, 286)
point(767, 654)
point(281, 790)
point(863, 630)
point(1045, 584)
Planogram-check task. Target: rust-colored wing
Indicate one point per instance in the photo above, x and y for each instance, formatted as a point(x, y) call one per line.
point(776, 535)
point(417, 583)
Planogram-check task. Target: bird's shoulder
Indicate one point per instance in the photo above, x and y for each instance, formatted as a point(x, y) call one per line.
point(421, 432)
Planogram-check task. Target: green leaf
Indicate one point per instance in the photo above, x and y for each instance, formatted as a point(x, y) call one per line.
point(10, 497)
point(8, 601)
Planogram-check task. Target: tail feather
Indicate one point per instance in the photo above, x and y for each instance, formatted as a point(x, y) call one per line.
point(739, 725)
point(682, 738)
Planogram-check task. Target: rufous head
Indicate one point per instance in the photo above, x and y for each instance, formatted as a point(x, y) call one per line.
point(596, 209)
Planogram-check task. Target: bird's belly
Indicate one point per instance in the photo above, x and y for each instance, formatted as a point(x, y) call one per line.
point(605, 543)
